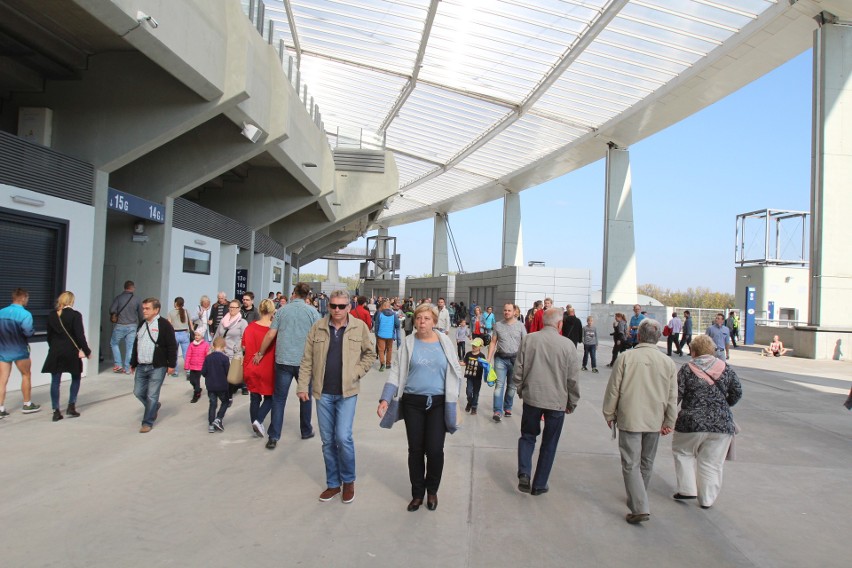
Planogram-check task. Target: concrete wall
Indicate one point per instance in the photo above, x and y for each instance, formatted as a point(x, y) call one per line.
point(187, 285)
point(787, 286)
point(78, 274)
point(433, 287)
point(820, 343)
point(763, 335)
point(524, 285)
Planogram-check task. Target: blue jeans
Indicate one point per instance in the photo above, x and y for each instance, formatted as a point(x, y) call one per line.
point(122, 332)
point(335, 414)
point(55, 379)
point(590, 350)
point(259, 410)
point(504, 390)
point(146, 387)
point(530, 429)
point(284, 375)
point(182, 338)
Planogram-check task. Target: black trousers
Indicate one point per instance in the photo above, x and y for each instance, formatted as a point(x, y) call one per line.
point(674, 339)
point(195, 380)
point(426, 431)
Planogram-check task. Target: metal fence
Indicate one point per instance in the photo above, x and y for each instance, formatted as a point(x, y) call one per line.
point(702, 318)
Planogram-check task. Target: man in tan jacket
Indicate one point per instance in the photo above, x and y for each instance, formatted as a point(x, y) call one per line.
point(641, 400)
point(338, 352)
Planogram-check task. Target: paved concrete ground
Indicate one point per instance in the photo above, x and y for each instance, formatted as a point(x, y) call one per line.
point(92, 491)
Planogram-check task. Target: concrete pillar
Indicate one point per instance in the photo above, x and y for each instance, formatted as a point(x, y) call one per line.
point(333, 273)
point(97, 298)
point(287, 286)
point(831, 202)
point(513, 244)
point(618, 282)
point(440, 256)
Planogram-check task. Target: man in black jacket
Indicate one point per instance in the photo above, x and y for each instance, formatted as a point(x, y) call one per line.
point(572, 327)
point(154, 355)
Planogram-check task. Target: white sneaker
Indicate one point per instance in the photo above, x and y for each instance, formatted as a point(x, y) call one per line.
point(258, 428)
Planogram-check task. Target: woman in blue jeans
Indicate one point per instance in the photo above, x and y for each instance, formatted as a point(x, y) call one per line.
point(180, 320)
point(428, 376)
point(67, 347)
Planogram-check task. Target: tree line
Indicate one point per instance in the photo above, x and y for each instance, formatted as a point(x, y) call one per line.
point(691, 298)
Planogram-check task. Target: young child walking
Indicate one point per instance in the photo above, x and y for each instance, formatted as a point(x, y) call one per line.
point(473, 370)
point(462, 335)
point(194, 361)
point(590, 344)
point(215, 371)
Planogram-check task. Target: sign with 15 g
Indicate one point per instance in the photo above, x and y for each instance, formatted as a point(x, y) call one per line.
point(135, 206)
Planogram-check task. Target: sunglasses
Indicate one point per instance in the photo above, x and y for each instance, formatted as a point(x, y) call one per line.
point(337, 306)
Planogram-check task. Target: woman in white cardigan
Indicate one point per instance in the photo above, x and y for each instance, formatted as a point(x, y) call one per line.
point(427, 377)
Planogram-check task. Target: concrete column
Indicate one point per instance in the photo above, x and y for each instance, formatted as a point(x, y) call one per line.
point(333, 273)
point(440, 256)
point(831, 202)
point(513, 244)
point(618, 282)
point(97, 313)
point(287, 286)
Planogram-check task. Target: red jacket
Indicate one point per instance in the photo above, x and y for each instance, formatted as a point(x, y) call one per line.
point(363, 314)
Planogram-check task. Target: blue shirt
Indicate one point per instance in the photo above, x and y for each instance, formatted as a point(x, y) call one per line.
point(720, 335)
point(634, 322)
point(427, 371)
point(16, 325)
point(292, 322)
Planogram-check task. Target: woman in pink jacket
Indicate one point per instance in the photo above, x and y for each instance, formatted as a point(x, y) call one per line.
point(194, 360)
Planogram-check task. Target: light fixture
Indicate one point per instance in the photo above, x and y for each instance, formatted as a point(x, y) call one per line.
point(787, 279)
point(308, 165)
point(27, 201)
point(251, 132)
point(139, 228)
point(142, 17)
point(335, 203)
point(385, 206)
point(200, 242)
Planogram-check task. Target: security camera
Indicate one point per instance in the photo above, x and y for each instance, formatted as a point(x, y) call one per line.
point(143, 17)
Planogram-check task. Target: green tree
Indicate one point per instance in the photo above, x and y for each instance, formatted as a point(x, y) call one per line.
point(691, 298)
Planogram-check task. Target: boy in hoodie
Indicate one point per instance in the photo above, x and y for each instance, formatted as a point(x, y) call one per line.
point(473, 371)
point(386, 324)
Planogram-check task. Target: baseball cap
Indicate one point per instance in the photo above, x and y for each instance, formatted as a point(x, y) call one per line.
point(477, 342)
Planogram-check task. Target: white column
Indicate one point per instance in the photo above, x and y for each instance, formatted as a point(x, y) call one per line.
point(618, 283)
point(513, 245)
point(440, 256)
point(333, 272)
point(831, 201)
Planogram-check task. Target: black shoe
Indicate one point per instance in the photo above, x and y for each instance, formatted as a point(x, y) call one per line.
point(57, 416)
point(523, 483)
point(72, 410)
point(432, 502)
point(270, 445)
point(308, 436)
point(473, 411)
point(680, 497)
point(195, 397)
point(539, 490)
point(467, 408)
point(848, 403)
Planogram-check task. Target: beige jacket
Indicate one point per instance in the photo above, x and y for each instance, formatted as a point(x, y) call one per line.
point(641, 395)
point(358, 356)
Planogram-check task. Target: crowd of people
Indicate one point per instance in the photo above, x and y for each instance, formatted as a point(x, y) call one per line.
point(326, 344)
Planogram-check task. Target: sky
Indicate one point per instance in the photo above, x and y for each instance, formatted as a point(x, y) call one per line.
point(748, 151)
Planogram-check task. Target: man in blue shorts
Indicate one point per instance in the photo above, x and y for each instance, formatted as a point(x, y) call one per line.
point(16, 325)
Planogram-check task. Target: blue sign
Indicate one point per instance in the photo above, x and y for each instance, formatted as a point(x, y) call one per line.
point(136, 206)
point(241, 283)
point(751, 304)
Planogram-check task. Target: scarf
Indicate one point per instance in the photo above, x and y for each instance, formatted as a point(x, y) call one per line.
point(229, 320)
point(707, 367)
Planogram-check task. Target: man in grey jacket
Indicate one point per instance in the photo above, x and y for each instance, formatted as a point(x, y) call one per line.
point(546, 372)
point(641, 401)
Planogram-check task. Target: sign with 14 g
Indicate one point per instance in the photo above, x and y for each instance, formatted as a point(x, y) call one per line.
point(242, 283)
point(135, 206)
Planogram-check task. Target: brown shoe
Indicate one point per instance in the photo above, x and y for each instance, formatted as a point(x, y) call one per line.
point(144, 429)
point(329, 494)
point(637, 518)
point(348, 492)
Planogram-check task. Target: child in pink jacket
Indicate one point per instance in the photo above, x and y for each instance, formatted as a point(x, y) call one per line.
point(194, 360)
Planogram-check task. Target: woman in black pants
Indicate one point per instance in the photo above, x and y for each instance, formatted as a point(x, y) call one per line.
point(619, 336)
point(427, 376)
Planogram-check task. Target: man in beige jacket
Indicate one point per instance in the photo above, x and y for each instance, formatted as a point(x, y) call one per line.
point(338, 352)
point(641, 400)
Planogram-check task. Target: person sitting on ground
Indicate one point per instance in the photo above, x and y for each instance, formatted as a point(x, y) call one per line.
point(775, 349)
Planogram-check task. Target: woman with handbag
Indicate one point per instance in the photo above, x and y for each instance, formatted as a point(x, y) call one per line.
point(231, 329)
point(427, 376)
point(707, 388)
point(67, 347)
point(179, 318)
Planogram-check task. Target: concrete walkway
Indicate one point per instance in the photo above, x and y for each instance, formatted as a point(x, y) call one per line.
point(92, 491)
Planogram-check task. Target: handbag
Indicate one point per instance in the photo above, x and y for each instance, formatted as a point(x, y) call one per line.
point(235, 371)
point(80, 353)
point(667, 331)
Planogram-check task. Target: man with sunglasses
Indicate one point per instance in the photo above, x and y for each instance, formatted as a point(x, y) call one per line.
point(338, 352)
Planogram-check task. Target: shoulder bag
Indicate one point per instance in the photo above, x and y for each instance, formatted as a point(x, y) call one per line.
point(80, 353)
point(235, 371)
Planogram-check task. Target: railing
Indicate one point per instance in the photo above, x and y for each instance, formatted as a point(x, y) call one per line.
point(358, 138)
point(779, 323)
point(702, 318)
point(266, 27)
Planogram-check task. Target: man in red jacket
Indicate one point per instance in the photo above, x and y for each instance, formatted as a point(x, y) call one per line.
point(362, 313)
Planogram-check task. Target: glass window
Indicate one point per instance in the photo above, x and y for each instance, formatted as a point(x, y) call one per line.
point(196, 261)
